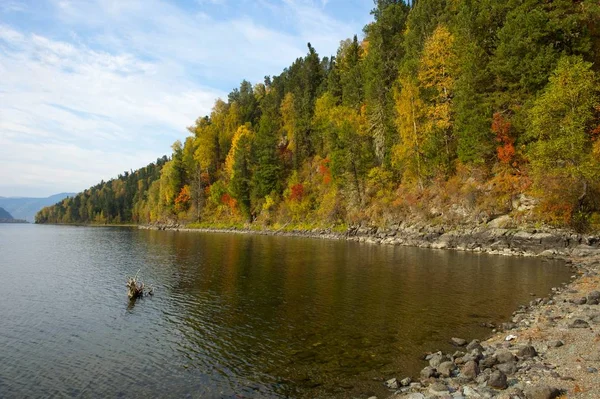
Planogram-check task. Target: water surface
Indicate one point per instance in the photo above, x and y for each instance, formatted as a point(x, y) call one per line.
point(237, 315)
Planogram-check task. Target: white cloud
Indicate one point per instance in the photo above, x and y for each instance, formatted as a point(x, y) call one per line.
point(111, 84)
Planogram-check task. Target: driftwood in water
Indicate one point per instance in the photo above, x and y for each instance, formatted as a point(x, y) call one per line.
point(136, 288)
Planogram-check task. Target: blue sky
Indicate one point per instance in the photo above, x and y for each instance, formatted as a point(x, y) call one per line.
point(91, 88)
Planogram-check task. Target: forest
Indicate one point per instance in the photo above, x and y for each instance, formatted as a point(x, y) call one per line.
point(445, 111)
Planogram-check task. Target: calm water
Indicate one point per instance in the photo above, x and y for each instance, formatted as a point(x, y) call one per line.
point(236, 315)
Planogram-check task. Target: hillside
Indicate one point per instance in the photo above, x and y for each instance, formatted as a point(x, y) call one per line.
point(4, 215)
point(26, 208)
point(452, 112)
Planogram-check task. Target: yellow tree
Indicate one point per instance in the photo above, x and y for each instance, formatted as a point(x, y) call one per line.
point(288, 114)
point(238, 167)
point(410, 111)
point(437, 72)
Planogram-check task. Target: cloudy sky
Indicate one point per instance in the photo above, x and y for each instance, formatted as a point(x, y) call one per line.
point(91, 88)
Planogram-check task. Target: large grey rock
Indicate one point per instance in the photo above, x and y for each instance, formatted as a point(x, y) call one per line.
point(470, 369)
point(446, 369)
point(541, 392)
point(497, 380)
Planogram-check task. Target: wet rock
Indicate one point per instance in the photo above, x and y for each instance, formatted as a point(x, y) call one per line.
point(505, 356)
point(458, 342)
point(392, 383)
point(406, 381)
point(446, 369)
point(498, 380)
point(541, 392)
point(428, 372)
point(470, 369)
point(578, 323)
point(527, 352)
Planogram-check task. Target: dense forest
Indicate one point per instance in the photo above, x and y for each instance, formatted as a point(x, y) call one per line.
point(452, 111)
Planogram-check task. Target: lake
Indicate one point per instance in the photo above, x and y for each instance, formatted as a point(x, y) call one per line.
point(237, 315)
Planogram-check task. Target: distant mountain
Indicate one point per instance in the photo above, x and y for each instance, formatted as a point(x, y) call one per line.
point(26, 208)
point(4, 214)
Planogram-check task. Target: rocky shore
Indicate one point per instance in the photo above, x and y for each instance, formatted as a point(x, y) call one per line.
point(550, 348)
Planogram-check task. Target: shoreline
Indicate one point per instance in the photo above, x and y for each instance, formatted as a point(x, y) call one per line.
point(550, 348)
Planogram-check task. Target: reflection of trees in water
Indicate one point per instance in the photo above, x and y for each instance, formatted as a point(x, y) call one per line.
point(304, 316)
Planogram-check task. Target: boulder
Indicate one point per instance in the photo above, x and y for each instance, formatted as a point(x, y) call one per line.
point(497, 380)
point(470, 369)
point(526, 352)
point(446, 369)
point(508, 368)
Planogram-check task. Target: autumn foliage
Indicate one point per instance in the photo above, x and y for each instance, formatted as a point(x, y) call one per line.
point(506, 143)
